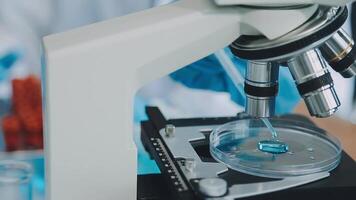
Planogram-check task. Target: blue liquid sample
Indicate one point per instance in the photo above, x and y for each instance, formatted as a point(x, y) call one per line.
point(272, 146)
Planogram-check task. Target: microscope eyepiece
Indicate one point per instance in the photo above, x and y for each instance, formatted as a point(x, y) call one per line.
point(340, 53)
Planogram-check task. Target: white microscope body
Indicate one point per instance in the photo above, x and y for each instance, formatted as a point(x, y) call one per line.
point(92, 73)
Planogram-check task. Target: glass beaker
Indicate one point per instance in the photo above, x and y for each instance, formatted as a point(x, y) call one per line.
point(15, 180)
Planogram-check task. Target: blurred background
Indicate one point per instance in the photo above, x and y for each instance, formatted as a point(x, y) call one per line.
point(23, 24)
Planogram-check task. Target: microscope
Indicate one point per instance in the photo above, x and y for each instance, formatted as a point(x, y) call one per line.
point(91, 75)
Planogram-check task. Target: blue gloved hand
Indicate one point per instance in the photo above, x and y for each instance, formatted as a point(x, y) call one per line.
point(208, 74)
point(6, 62)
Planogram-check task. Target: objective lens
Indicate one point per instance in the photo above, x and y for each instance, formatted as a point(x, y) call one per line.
point(314, 83)
point(261, 88)
point(340, 53)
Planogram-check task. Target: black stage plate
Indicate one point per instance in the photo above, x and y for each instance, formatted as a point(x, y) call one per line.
point(340, 185)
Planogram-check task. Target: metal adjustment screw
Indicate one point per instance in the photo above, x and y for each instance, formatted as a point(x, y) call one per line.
point(170, 129)
point(213, 187)
point(190, 165)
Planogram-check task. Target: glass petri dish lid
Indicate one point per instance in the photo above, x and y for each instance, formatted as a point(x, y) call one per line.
point(310, 149)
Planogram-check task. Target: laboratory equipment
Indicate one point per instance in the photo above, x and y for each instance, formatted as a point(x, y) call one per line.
point(189, 171)
point(91, 75)
point(304, 51)
point(35, 159)
point(246, 146)
point(340, 54)
point(15, 180)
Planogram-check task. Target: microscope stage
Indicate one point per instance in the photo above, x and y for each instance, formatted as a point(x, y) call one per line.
point(185, 164)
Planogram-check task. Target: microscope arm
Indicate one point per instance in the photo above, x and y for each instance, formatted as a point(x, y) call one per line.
point(91, 75)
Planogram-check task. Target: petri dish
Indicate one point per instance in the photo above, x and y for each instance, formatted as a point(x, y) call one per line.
point(310, 149)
